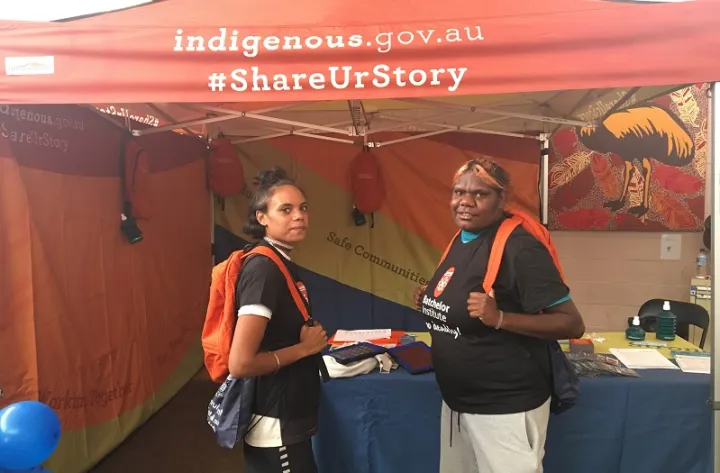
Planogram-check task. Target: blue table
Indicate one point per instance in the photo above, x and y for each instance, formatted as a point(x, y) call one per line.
point(390, 423)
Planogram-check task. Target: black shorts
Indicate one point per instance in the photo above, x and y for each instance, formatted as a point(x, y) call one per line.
point(295, 458)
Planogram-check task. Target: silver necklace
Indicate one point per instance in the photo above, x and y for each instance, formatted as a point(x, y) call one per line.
point(274, 242)
point(279, 246)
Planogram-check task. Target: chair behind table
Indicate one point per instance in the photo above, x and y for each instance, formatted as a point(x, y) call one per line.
point(687, 314)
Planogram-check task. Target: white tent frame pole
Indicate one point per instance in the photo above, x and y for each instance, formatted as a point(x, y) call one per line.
point(502, 113)
point(500, 133)
point(466, 127)
point(260, 138)
point(210, 134)
point(311, 129)
point(537, 118)
point(544, 173)
point(292, 133)
point(378, 144)
point(169, 118)
point(302, 132)
point(228, 115)
point(447, 129)
point(420, 121)
point(402, 122)
point(276, 107)
point(175, 126)
point(714, 189)
point(105, 116)
point(323, 137)
point(469, 127)
point(358, 117)
point(282, 121)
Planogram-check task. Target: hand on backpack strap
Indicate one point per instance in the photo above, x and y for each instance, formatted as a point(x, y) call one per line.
point(483, 306)
point(418, 295)
point(314, 339)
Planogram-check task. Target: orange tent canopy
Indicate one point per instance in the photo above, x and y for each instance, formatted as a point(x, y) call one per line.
point(283, 51)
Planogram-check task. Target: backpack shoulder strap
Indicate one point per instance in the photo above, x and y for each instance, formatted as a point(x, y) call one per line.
point(262, 250)
point(497, 250)
point(498, 247)
point(223, 280)
point(447, 250)
point(538, 230)
point(231, 267)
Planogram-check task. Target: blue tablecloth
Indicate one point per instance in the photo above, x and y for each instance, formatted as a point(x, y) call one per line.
point(390, 423)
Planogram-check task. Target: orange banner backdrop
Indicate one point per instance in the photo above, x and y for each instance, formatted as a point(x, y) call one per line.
point(417, 173)
point(91, 325)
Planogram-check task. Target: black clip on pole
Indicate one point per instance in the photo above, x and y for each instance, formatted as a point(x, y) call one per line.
point(321, 363)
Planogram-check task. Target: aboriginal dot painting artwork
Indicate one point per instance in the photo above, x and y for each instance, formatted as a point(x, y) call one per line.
point(640, 168)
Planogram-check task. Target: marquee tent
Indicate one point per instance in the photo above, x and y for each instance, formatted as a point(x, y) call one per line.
point(515, 67)
point(328, 50)
point(331, 75)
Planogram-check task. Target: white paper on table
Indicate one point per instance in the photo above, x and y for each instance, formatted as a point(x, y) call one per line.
point(642, 359)
point(694, 364)
point(361, 335)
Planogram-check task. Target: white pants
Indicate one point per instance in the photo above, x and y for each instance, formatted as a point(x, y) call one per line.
point(506, 443)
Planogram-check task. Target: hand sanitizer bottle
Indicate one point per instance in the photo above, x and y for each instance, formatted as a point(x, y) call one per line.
point(635, 331)
point(666, 323)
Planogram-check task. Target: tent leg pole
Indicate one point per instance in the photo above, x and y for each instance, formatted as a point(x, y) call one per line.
point(212, 229)
point(544, 172)
point(209, 133)
point(714, 189)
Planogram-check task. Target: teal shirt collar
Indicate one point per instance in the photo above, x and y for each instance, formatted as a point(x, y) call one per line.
point(467, 237)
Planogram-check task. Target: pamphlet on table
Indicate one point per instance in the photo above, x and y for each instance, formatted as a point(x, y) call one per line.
point(642, 359)
point(361, 335)
point(693, 362)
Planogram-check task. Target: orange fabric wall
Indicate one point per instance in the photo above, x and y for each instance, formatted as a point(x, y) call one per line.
point(89, 324)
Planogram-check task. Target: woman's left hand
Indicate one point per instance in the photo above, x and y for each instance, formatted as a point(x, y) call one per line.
point(483, 306)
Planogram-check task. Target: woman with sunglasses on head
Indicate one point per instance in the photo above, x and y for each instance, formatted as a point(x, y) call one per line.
point(271, 340)
point(489, 350)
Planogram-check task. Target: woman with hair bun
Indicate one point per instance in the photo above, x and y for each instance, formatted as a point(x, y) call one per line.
point(490, 351)
point(272, 342)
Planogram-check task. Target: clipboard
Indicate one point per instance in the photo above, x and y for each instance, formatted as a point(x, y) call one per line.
point(415, 357)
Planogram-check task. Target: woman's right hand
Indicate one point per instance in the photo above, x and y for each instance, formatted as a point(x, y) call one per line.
point(313, 339)
point(418, 294)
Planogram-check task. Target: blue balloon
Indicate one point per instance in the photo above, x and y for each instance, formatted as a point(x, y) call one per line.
point(29, 433)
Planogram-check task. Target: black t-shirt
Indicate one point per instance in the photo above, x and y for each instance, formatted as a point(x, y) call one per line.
point(481, 370)
point(288, 400)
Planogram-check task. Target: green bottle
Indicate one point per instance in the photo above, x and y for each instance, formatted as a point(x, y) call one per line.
point(635, 332)
point(666, 323)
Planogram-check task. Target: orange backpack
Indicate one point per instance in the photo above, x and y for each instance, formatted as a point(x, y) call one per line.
point(225, 171)
point(221, 313)
point(531, 225)
point(366, 183)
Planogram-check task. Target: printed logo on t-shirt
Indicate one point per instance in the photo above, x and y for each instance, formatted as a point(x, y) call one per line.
point(443, 282)
point(303, 290)
point(436, 313)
